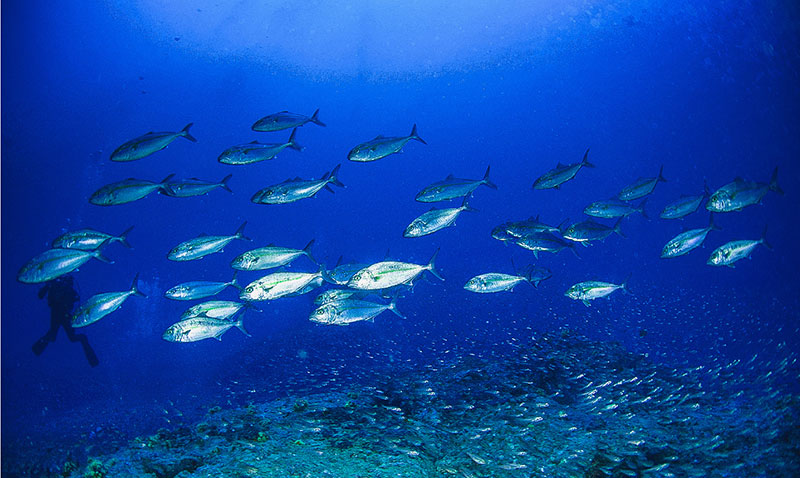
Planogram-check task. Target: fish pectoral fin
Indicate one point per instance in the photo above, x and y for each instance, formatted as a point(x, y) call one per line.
point(586, 303)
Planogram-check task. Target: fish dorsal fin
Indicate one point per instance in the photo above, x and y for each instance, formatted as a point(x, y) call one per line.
point(255, 141)
point(450, 176)
point(738, 179)
point(284, 111)
point(380, 136)
point(297, 178)
point(195, 179)
point(150, 132)
point(559, 165)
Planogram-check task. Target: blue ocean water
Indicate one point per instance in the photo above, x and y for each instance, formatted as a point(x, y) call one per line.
point(708, 90)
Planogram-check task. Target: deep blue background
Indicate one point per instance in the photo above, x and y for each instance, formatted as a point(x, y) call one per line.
point(709, 91)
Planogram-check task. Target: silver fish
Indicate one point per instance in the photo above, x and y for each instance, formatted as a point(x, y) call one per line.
point(741, 193)
point(148, 144)
point(590, 290)
point(199, 289)
point(382, 146)
point(453, 187)
point(269, 257)
point(641, 187)
point(347, 311)
point(512, 230)
point(731, 252)
point(561, 174)
point(536, 274)
point(295, 189)
point(435, 219)
point(543, 242)
point(255, 152)
point(614, 208)
point(100, 305)
point(383, 275)
point(494, 282)
point(200, 328)
point(194, 187)
point(687, 240)
point(125, 191)
point(89, 239)
point(202, 246)
point(215, 309)
point(684, 206)
point(56, 262)
point(279, 284)
point(285, 120)
point(586, 231)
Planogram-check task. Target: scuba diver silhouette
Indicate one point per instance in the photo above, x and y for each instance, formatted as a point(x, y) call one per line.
point(62, 297)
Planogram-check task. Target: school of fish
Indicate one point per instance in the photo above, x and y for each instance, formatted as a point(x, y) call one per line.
point(362, 289)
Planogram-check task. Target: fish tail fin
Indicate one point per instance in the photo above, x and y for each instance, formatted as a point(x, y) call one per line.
point(641, 208)
point(331, 177)
point(585, 162)
point(250, 305)
point(465, 204)
point(292, 143)
point(527, 274)
point(624, 285)
point(123, 238)
point(326, 275)
point(486, 180)
point(763, 239)
point(706, 191)
point(431, 267)
point(393, 308)
point(315, 118)
point(618, 226)
point(234, 282)
point(773, 182)
point(307, 251)
point(185, 133)
point(164, 184)
point(224, 183)
point(240, 325)
point(240, 233)
point(135, 289)
point(562, 228)
point(97, 254)
point(711, 225)
point(661, 177)
point(574, 251)
point(414, 134)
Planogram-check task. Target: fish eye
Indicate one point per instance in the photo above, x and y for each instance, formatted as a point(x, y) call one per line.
point(249, 289)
